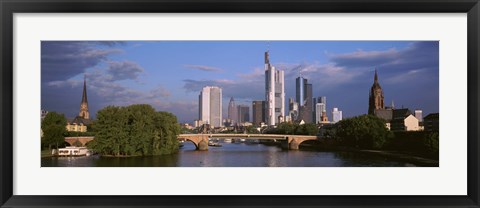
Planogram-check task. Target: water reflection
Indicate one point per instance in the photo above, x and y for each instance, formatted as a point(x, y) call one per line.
point(231, 155)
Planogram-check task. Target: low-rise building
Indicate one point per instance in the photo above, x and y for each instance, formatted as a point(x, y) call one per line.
point(404, 120)
point(78, 124)
point(431, 122)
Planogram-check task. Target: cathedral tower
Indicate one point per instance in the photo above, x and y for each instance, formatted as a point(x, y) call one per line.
point(376, 96)
point(84, 105)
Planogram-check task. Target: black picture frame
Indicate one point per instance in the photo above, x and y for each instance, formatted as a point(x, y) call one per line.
point(9, 7)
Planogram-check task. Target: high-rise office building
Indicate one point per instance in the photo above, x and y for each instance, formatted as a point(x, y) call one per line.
point(293, 110)
point(232, 112)
point(304, 99)
point(274, 93)
point(319, 110)
point(336, 115)
point(243, 113)
point(210, 106)
point(300, 90)
point(258, 112)
point(323, 100)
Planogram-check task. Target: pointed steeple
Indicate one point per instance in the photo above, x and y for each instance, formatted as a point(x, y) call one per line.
point(84, 104)
point(84, 96)
point(376, 77)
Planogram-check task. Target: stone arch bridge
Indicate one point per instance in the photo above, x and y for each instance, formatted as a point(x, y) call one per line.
point(201, 140)
point(82, 139)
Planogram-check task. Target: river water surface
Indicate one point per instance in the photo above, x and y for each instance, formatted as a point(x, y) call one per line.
point(233, 155)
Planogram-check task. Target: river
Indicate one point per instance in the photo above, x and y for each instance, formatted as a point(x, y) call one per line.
point(233, 155)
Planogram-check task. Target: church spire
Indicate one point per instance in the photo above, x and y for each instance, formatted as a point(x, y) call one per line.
point(84, 96)
point(376, 96)
point(84, 104)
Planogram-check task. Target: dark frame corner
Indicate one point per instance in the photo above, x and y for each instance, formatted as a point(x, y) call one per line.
point(9, 7)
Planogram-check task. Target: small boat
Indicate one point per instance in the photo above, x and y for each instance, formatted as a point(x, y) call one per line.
point(214, 144)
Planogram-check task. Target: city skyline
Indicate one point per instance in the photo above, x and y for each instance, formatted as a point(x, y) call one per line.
point(169, 75)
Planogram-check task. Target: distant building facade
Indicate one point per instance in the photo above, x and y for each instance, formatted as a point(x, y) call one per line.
point(293, 110)
point(258, 112)
point(43, 113)
point(336, 115)
point(403, 120)
point(418, 115)
point(243, 113)
point(210, 106)
point(232, 112)
point(431, 122)
point(274, 92)
point(321, 110)
point(304, 99)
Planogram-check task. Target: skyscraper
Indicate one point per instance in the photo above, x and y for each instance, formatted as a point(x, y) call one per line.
point(375, 100)
point(304, 99)
point(293, 109)
point(84, 104)
point(274, 92)
point(243, 113)
point(321, 109)
point(258, 112)
point(336, 115)
point(300, 90)
point(232, 111)
point(210, 106)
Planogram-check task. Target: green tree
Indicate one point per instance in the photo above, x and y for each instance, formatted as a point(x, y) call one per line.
point(54, 130)
point(364, 131)
point(431, 143)
point(306, 129)
point(252, 130)
point(135, 130)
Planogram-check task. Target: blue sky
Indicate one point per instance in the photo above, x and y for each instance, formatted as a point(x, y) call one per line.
point(169, 74)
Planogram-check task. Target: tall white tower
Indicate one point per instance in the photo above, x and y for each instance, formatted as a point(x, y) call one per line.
point(336, 115)
point(274, 93)
point(210, 106)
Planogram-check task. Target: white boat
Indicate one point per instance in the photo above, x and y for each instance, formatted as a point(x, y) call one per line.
point(74, 151)
point(228, 140)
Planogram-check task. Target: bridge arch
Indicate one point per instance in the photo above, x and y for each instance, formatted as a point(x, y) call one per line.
point(295, 141)
point(189, 140)
point(200, 141)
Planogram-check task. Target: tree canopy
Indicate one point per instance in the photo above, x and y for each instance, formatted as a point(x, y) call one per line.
point(294, 129)
point(366, 131)
point(54, 130)
point(135, 130)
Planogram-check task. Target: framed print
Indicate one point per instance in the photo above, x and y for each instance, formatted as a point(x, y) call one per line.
point(246, 104)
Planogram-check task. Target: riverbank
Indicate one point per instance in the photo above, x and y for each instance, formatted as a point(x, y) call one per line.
point(400, 156)
point(46, 153)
